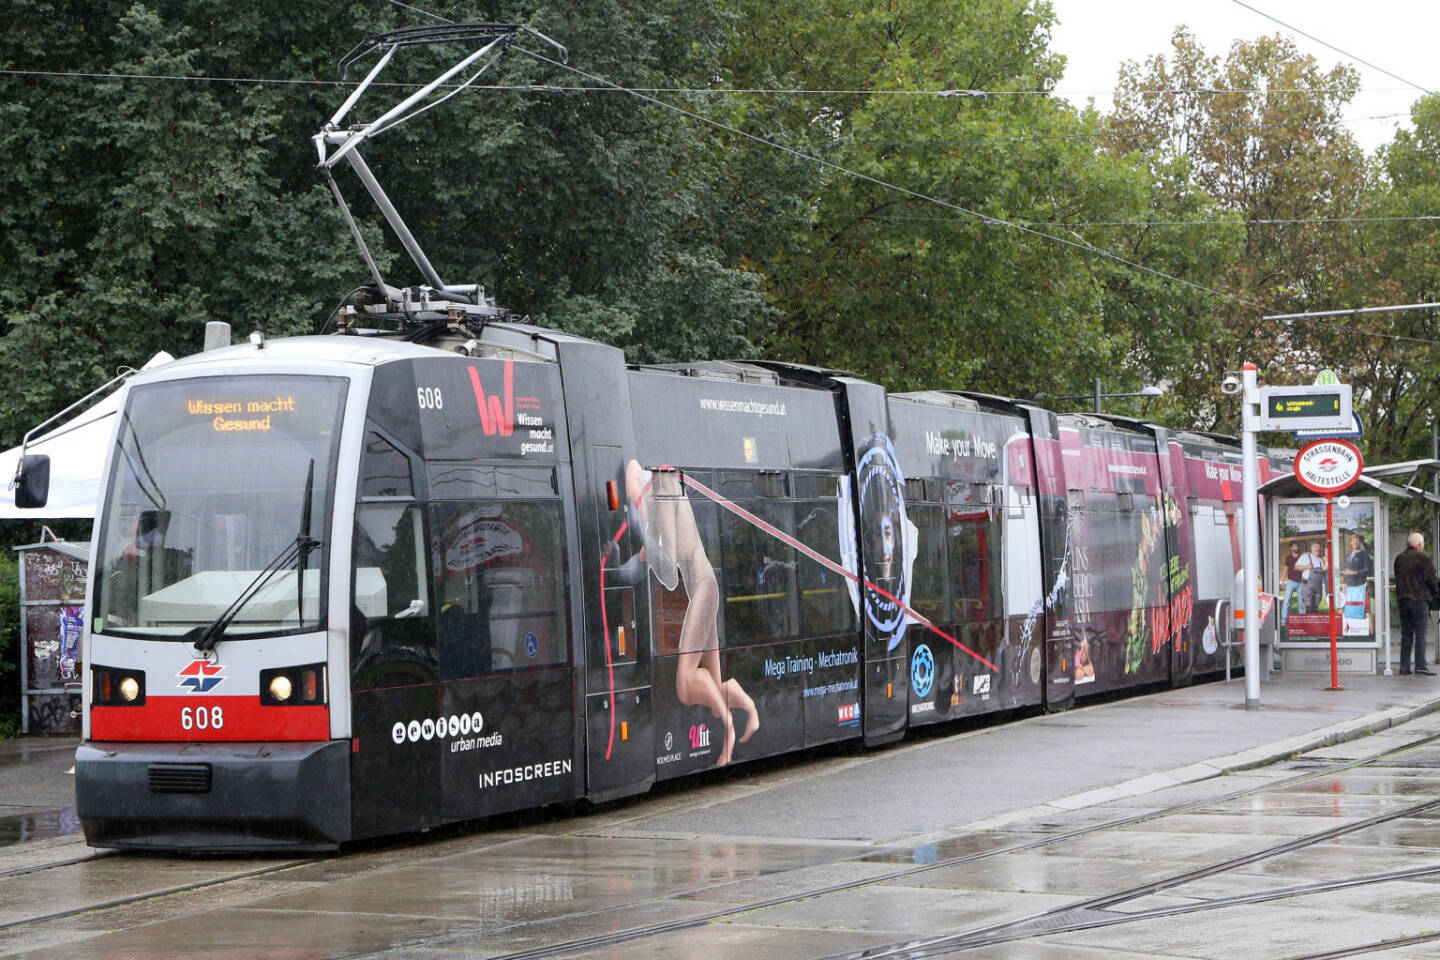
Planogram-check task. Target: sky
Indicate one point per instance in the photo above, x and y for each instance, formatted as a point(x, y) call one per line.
point(1398, 36)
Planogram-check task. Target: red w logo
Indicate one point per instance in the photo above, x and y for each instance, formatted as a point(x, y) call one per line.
point(494, 416)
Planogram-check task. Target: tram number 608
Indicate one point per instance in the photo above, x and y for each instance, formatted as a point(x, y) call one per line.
point(202, 718)
point(429, 398)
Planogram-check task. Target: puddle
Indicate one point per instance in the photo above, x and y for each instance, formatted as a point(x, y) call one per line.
point(38, 826)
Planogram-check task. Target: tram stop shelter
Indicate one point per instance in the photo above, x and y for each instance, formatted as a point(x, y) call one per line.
point(1299, 563)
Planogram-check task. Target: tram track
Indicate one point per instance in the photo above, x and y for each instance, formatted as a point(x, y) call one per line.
point(1097, 911)
point(1060, 920)
point(155, 894)
point(67, 862)
point(658, 929)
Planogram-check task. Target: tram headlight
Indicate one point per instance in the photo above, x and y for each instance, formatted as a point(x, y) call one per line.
point(298, 686)
point(116, 687)
point(280, 687)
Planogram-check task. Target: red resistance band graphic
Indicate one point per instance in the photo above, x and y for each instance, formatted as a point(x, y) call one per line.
point(783, 537)
point(829, 564)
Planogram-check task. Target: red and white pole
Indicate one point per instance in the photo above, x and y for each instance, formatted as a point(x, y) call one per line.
point(1330, 577)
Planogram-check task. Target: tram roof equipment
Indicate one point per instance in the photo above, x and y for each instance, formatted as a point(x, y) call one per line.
point(433, 305)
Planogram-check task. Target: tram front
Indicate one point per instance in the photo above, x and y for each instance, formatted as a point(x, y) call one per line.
point(211, 719)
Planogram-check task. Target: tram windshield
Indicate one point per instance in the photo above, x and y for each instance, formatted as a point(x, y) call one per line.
point(213, 479)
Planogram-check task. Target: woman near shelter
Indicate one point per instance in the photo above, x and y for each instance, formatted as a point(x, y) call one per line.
point(1357, 574)
point(1312, 574)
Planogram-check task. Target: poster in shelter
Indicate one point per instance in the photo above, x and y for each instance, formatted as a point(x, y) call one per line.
point(1315, 572)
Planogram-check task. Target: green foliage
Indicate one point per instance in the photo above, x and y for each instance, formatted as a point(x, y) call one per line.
point(138, 209)
point(1259, 138)
point(922, 286)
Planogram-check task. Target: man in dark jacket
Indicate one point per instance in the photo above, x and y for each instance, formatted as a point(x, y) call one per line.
point(1414, 586)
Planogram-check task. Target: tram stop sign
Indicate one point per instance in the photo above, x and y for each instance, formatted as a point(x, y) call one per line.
point(1328, 466)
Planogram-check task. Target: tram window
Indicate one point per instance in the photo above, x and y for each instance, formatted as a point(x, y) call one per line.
point(759, 575)
point(824, 595)
point(1115, 554)
point(736, 484)
point(392, 632)
point(816, 486)
point(501, 586)
point(384, 470)
point(931, 575)
point(464, 480)
point(975, 570)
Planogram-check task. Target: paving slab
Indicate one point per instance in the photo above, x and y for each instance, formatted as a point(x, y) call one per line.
point(903, 912)
point(1257, 932)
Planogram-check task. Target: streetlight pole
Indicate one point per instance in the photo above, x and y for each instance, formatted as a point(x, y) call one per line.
point(1250, 535)
point(1147, 392)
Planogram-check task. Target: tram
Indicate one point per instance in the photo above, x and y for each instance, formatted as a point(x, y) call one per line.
point(382, 580)
point(348, 586)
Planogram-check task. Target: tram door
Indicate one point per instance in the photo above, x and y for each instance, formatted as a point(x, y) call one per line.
point(620, 754)
point(614, 682)
point(1180, 557)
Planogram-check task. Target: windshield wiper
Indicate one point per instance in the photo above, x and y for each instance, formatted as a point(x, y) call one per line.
point(210, 635)
point(304, 542)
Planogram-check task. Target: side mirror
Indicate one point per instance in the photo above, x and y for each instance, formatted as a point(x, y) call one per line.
point(32, 485)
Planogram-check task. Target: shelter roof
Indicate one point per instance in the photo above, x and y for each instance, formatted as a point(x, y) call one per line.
point(1401, 480)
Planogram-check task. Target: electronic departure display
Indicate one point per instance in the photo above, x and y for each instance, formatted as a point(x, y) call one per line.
point(1312, 407)
point(1304, 405)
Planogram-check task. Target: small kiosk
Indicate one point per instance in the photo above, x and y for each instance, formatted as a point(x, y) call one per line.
point(52, 619)
point(1308, 570)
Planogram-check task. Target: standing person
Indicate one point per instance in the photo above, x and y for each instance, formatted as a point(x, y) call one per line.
point(1357, 572)
point(1292, 580)
point(1414, 586)
point(1312, 571)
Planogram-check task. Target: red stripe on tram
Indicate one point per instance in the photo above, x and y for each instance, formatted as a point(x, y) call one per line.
point(605, 626)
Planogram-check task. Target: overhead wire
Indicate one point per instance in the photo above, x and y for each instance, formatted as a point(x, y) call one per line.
point(1323, 43)
point(642, 94)
point(1291, 221)
point(915, 194)
point(980, 218)
point(695, 91)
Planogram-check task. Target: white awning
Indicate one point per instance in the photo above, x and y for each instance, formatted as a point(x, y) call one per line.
point(77, 455)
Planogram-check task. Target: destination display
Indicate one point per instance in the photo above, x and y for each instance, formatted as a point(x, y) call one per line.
point(1312, 405)
point(1303, 407)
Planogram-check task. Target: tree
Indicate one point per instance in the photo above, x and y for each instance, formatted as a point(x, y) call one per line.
point(903, 269)
point(138, 209)
point(1259, 132)
point(1401, 377)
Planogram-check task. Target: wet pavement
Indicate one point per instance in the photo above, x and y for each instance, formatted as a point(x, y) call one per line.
point(37, 791)
point(1173, 825)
